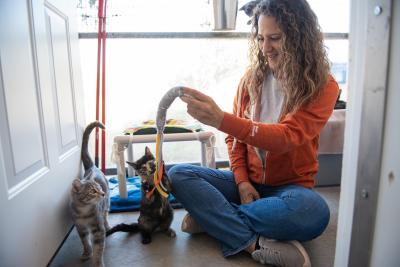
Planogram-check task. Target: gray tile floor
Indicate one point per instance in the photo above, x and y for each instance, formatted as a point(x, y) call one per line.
point(199, 250)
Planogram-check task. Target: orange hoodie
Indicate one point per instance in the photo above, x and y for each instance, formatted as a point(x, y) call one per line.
point(291, 144)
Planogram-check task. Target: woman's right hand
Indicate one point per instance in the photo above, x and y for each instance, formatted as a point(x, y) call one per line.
point(247, 193)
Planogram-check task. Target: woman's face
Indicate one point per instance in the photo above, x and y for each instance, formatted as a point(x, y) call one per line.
point(270, 40)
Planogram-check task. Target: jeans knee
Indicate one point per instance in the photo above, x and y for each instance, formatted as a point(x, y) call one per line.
point(325, 217)
point(178, 172)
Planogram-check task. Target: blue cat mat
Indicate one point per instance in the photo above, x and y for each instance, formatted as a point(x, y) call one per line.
point(132, 203)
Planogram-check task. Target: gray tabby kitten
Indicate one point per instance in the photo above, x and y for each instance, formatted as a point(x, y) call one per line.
point(90, 203)
point(155, 211)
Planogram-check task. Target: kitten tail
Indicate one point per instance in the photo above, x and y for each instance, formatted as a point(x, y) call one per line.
point(86, 159)
point(123, 227)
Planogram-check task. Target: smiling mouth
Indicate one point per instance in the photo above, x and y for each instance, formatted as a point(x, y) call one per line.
point(274, 56)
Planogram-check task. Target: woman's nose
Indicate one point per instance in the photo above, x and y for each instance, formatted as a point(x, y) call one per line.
point(266, 46)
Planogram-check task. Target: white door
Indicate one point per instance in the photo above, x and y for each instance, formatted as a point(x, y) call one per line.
point(41, 121)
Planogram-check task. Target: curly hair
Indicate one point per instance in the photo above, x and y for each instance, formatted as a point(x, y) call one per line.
point(304, 67)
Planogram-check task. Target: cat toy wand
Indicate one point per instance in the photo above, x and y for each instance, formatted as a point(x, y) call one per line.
point(164, 104)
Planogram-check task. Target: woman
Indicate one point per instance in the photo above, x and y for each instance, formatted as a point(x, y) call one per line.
point(266, 204)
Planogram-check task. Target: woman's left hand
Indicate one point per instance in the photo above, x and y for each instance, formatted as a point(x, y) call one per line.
point(247, 193)
point(202, 107)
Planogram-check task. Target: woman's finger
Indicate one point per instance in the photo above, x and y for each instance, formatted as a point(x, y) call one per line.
point(191, 101)
point(194, 93)
point(186, 99)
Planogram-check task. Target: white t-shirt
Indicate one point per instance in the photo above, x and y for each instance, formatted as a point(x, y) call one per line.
point(271, 101)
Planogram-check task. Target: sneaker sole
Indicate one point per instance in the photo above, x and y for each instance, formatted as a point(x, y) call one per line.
point(307, 262)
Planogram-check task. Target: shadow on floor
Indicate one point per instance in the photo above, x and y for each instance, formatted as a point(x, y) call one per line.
point(123, 249)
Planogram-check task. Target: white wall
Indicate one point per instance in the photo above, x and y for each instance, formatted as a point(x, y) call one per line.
point(352, 136)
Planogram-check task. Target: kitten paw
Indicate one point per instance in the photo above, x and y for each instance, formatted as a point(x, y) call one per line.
point(171, 233)
point(98, 264)
point(146, 240)
point(86, 255)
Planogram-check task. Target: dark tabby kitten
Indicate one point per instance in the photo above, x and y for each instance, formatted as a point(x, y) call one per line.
point(90, 203)
point(155, 211)
point(249, 8)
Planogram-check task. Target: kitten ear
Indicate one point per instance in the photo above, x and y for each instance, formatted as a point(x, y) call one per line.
point(76, 185)
point(147, 151)
point(133, 164)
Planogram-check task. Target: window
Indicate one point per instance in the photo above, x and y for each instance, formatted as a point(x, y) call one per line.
point(140, 70)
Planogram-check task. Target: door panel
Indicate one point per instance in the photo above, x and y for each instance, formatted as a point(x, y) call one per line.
point(64, 100)
point(41, 122)
point(26, 155)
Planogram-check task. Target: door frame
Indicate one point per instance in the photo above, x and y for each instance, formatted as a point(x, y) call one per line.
point(369, 40)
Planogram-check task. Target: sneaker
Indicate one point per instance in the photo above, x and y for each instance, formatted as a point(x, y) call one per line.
point(288, 254)
point(190, 226)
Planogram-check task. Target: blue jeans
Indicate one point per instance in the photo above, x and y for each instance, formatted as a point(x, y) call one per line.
point(211, 196)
